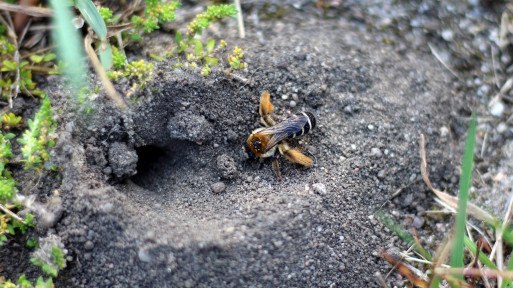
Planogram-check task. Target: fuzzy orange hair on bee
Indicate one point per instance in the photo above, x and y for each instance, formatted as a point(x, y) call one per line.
point(271, 140)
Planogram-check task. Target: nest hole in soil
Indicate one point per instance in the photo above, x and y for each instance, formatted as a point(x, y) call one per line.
point(156, 162)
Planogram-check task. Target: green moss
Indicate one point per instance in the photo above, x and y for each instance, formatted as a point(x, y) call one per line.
point(214, 13)
point(155, 12)
point(36, 140)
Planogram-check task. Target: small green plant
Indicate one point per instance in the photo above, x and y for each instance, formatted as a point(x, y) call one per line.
point(17, 72)
point(51, 256)
point(235, 59)
point(7, 184)
point(200, 56)
point(155, 12)
point(6, 47)
point(119, 59)
point(214, 13)
point(8, 225)
point(137, 70)
point(140, 70)
point(106, 14)
point(24, 283)
point(84, 97)
point(10, 121)
point(36, 139)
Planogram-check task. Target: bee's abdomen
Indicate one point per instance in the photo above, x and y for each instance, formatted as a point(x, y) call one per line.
point(309, 125)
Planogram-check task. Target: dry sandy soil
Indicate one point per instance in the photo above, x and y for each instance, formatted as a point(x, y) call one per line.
point(137, 188)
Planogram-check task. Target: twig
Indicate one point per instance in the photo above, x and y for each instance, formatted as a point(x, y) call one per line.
point(495, 78)
point(381, 280)
point(497, 247)
point(503, 32)
point(240, 20)
point(109, 88)
point(29, 10)
point(480, 232)
point(395, 266)
point(483, 147)
point(504, 90)
point(39, 51)
point(39, 69)
point(439, 58)
point(13, 215)
point(473, 272)
point(14, 88)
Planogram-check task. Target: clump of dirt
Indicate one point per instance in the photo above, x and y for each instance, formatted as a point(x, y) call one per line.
point(136, 188)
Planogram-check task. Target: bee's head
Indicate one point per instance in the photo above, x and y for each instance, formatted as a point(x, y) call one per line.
point(255, 144)
point(249, 152)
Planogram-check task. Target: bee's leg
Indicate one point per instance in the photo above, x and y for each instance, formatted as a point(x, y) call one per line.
point(294, 155)
point(265, 109)
point(276, 168)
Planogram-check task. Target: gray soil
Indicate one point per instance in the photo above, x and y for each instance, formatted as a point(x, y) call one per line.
point(164, 195)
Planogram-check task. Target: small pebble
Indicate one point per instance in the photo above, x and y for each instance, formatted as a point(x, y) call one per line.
point(231, 135)
point(319, 188)
point(107, 207)
point(69, 126)
point(376, 152)
point(144, 255)
point(448, 35)
point(444, 131)
point(295, 97)
point(497, 109)
point(418, 222)
point(483, 90)
point(216, 145)
point(89, 245)
point(371, 127)
point(284, 97)
point(107, 170)
point(502, 127)
point(292, 104)
point(218, 187)
point(381, 174)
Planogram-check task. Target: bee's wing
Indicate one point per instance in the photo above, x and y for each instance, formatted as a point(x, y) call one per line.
point(284, 130)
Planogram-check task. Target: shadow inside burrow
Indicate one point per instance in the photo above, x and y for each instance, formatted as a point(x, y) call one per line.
point(159, 165)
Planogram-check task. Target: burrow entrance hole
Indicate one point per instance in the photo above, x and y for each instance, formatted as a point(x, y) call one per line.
point(156, 164)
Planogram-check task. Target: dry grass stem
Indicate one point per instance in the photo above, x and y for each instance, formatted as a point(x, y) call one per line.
point(504, 90)
point(28, 10)
point(12, 214)
point(452, 201)
point(439, 58)
point(240, 20)
point(381, 280)
point(413, 274)
point(109, 88)
point(473, 272)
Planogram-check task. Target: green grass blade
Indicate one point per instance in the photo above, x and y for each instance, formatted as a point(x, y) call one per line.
point(506, 282)
point(466, 176)
point(105, 52)
point(93, 17)
point(403, 234)
point(95, 20)
point(482, 257)
point(507, 236)
point(69, 47)
point(435, 283)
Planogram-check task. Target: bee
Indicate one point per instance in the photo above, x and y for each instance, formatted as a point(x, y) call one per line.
point(271, 140)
